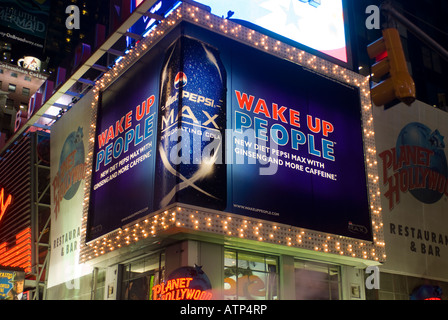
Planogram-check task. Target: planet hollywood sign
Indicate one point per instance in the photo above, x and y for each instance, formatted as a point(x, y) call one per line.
point(179, 289)
point(185, 283)
point(417, 164)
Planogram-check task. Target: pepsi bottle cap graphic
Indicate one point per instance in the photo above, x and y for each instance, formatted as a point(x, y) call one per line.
point(180, 80)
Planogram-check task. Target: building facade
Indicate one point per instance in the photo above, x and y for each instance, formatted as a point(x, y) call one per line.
point(220, 158)
point(137, 242)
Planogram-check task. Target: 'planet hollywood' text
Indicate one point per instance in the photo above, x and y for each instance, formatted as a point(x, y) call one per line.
point(404, 178)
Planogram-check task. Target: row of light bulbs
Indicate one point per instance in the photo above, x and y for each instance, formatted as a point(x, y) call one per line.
point(227, 224)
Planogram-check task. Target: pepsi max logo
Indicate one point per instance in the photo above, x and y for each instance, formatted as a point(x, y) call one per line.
point(356, 228)
point(180, 80)
point(417, 165)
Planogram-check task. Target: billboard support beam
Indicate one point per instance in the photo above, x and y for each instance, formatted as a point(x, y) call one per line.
point(40, 244)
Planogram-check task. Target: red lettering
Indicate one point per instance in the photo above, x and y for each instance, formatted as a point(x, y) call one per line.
point(119, 126)
point(149, 103)
point(178, 289)
point(102, 139)
point(386, 157)
point(294, 118)
point(327, 128)
point(316, 127)
point(110, 134)
point(244, 101)
point(278, 113)
point(262, 108)
point(140, 111)
point(128, 121)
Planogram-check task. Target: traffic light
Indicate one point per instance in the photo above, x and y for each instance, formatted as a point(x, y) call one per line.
point(390, 61)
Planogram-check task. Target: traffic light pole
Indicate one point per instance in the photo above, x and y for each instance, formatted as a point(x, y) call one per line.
point(388, 8)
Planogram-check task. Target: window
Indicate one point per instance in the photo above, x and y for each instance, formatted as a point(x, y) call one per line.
point(316, 281)
point(400, 287)
point(28, 78)
point(141, 275)
point(250, 276)
point(9, 103)
point(12, 87)
point(14, 75)
point(25, 91)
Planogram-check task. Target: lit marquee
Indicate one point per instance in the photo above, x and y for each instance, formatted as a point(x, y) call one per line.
point(227, 224)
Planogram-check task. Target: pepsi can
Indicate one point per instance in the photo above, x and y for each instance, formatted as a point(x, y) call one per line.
point(190, 166)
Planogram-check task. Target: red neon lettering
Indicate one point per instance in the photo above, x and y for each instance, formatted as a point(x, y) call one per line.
point(18, 255)
point(4, 205)
point(178, 289)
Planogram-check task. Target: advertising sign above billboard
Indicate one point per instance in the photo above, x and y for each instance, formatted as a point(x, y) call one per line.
point(24, 23)
point(318, 25)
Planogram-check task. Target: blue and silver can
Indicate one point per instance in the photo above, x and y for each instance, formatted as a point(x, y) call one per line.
point(190, 161)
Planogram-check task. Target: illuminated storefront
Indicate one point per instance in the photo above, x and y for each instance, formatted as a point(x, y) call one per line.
point(272, 189)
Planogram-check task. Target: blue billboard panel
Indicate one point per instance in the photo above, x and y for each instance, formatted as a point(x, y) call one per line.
point(305, 133)
point(209, 122)
point(123, 163)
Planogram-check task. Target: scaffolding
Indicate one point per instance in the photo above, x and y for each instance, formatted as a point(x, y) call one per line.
point(40, 214)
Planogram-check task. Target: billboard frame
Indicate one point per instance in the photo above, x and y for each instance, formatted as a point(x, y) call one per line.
point(178, 218)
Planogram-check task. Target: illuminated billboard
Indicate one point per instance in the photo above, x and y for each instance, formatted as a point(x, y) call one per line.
point(318, 25)
point(204, 121)
point(68, 152)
